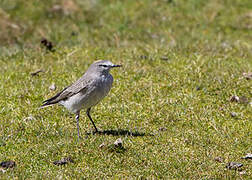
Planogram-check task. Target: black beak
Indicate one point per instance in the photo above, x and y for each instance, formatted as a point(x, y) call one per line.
point(117, 66)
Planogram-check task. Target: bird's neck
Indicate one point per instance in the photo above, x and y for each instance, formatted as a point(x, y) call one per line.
point(105, 73)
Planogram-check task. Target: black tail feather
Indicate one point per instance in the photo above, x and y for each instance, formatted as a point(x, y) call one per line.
point(52, 100)
point(47, 103)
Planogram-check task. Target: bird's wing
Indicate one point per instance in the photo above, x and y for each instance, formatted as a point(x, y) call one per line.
point(79, 85)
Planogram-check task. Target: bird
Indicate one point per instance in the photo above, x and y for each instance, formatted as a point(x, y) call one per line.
point(86, 92)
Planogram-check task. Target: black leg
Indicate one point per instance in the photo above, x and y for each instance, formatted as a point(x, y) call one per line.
point(77, 122)
point(88, 111)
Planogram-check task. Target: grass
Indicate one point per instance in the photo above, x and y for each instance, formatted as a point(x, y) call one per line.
point(182, 61)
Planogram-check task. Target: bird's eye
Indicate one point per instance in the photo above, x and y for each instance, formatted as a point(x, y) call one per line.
point(103, 65)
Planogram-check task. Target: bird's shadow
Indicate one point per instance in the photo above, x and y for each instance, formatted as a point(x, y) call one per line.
point(119, 132)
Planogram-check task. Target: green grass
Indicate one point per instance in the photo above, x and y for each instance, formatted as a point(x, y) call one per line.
point(182, 61)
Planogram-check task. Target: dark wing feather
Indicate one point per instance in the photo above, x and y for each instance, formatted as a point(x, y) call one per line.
point(55, 99)
point(67, 92)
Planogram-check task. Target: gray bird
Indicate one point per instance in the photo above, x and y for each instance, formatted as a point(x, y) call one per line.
point(87, 91)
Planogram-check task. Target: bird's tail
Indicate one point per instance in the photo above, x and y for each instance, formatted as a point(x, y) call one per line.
point(51, 101)
point(46, 104)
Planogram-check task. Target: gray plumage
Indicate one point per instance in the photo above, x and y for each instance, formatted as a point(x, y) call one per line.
point(87, 91)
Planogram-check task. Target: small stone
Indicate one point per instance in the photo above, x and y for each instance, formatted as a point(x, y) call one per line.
point(248, 75)
point(242, 172)
point(116, 147)
point(102, 145)
point(118, 142)
point(218, 159)
point(234, 99)
point(7, 164)
point(233, 114)
point(2, 170)
point(52, 87)
point(247, 156)
point(63, 161)
point(234, 165)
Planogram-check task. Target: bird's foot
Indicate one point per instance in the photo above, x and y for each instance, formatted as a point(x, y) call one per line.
point(93, 132)
point(96, 132)
point(79, 138)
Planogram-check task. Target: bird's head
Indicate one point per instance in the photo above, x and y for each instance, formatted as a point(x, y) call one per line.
point(104, 65)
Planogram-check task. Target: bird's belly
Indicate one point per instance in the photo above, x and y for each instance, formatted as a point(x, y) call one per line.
point(89, 98)
point(73, 104)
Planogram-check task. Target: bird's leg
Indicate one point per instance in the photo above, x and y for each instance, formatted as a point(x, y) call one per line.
point(88, 111)
point(77, 122)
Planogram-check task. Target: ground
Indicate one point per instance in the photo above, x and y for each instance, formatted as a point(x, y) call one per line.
point(171, 102)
